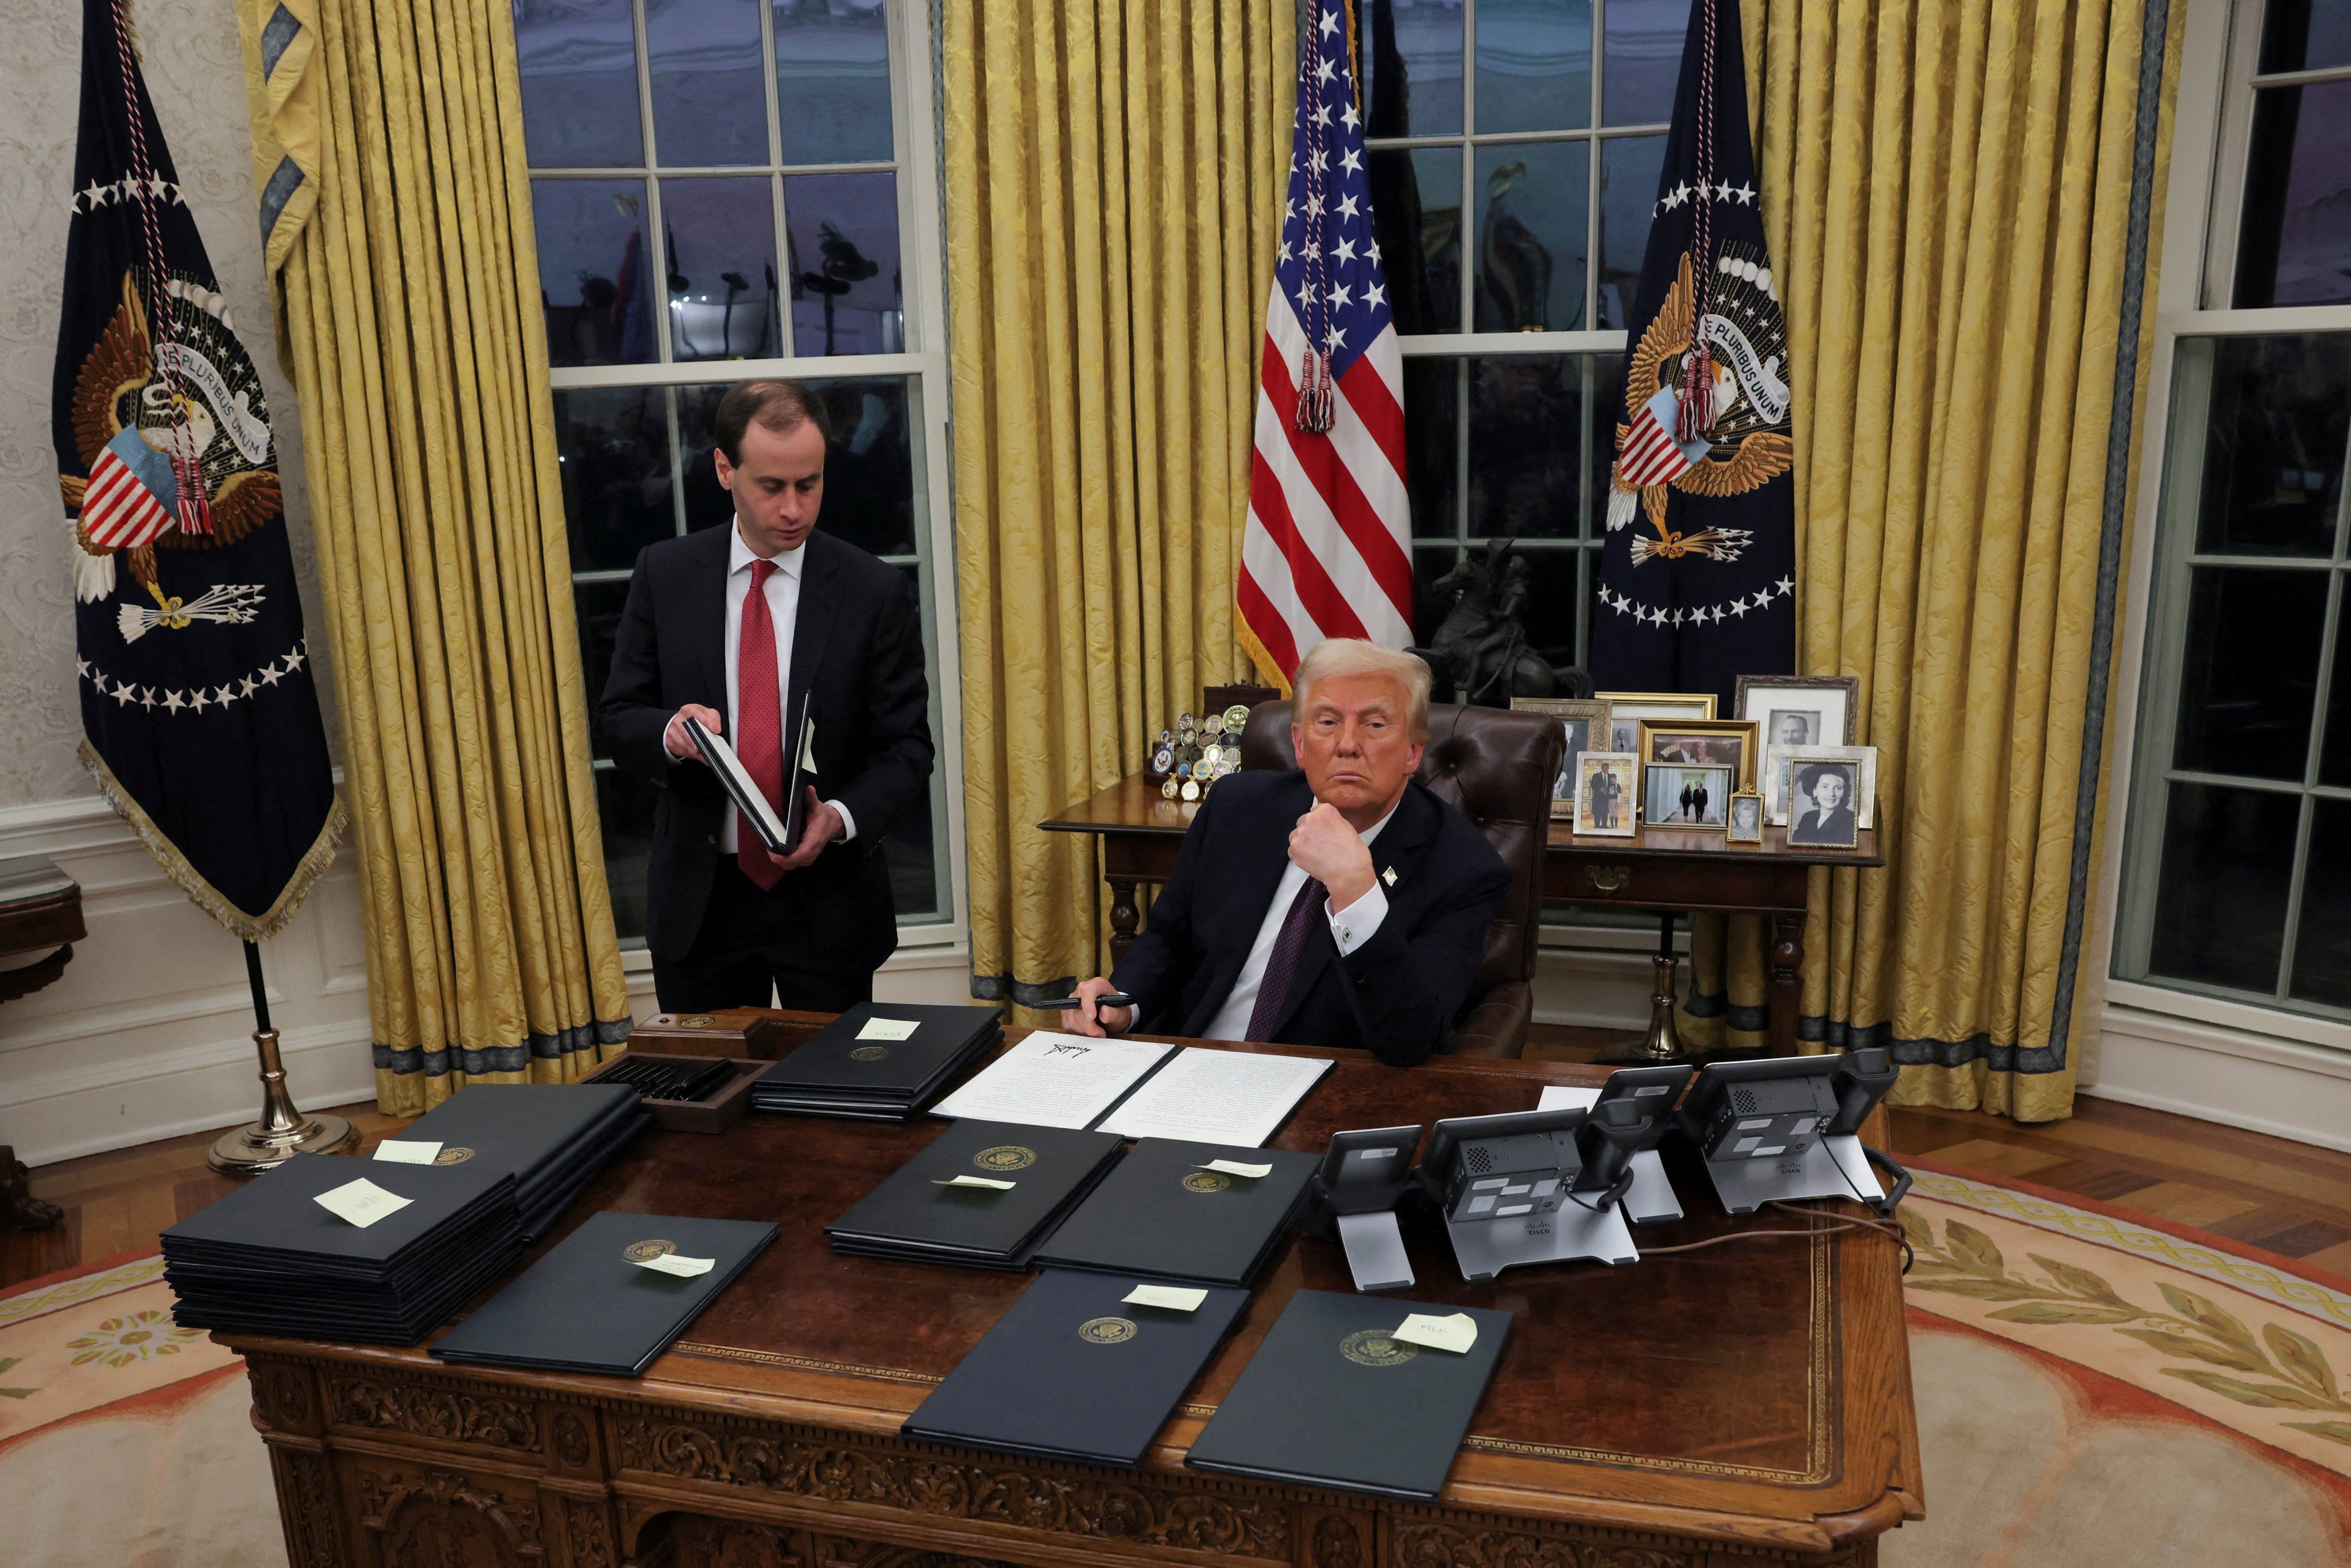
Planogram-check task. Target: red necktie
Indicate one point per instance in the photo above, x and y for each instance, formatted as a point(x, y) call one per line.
point(759, 721)
point(1281, 963)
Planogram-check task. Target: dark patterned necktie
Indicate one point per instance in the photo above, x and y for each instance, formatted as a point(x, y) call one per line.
point(1282, 964)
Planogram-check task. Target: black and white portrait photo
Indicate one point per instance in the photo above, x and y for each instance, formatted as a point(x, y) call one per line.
point(1746, 819)
point(1821, 805)
point(1792, 726)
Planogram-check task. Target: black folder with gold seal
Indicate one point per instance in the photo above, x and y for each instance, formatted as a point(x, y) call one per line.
point(981, 1193)
point(1167, 1213)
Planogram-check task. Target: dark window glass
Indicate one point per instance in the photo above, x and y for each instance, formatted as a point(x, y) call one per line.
point(720, 235)
point(1642, 60)
point(578, 62)
point(624, 805)
point(907, 847)
point(1534, 65)
point(1416, 220)
point(2220, 910)
point(592, 271)
point(832, 80)
point(1629, 167)
point(1607, 408)
point(2335, 745)
point(869, 471)
point(1432, 435)
point(2279, 409)
point(710, 98)
point(1411, 51)
point(846, 292)
point(2250, 675)
point(598, 607)
point(2322, 948)
point(2306, 34)
point(612, 448)
point(1553, 600)
point(1530, 235)
point(1430, 563)
point(2293, 246)
point(1526, 446)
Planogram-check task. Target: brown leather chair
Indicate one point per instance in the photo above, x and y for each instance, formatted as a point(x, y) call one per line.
point(1497, 767)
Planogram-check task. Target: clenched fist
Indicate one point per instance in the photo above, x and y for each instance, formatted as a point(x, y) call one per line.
point(1327, 848)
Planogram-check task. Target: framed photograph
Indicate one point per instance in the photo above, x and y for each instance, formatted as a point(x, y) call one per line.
point(1791, 711)
point(1677, 796)
point(1627, 710)
point(1774, 782)
point(1604, 802)
point(1746, 819)
point(1586, 724)
point(1820, 796)
point(1701, 743)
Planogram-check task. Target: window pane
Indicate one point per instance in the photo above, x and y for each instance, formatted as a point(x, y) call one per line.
point(1607, 410)
point(2334, 746)
point(1416, 220)
point(1629, 170)
point(2250, 673)
point(2273, 439)
point(910, 847)
point(592, 271)
point(1411, 51)
point(1549, 613)
point(721, 238)
point(1534, 65)
point(624, 806)
point(2306, 34)
point(845, 287)
point(578, 61)
point(710, 103)
point(613, 448)
point(597, 605)
point(2322, 948)
point(1642, 60)
point(869, 470)
point(708, 504)
point(1526, 446)
point(832, 80)
point(2220, 912)
point(1430, 563)
point(2297, 220)
point(1432, 433)
point(1531, 236)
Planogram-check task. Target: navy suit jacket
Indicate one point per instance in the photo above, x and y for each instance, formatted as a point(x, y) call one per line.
point(1397, 996)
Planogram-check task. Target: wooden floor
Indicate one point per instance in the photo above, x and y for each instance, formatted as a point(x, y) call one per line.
point(2289, 1198)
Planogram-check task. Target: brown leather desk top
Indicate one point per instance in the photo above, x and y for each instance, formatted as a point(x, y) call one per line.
point(1759, 1390)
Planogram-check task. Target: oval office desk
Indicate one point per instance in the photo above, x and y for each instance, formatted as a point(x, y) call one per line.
point(1671, 869)
point(1743, 1405)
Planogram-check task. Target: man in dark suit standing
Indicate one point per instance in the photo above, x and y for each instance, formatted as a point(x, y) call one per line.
point(1338, 904)
point(737, 627)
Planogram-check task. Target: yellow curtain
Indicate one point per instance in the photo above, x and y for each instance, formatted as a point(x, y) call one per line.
point(1113, 172)
point(388, 152)
point(1962, 201)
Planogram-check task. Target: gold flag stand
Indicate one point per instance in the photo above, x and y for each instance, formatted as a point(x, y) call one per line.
point(283, 1131)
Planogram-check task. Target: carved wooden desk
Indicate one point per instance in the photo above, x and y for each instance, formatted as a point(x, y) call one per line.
point(1665, 869)
point(1743, 1404)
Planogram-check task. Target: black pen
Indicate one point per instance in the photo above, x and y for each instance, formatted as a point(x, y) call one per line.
point(1110, 999)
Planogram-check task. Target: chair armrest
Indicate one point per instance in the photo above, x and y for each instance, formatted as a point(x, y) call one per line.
point(1497, 1024)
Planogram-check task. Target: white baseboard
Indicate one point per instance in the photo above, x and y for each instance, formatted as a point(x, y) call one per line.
point(2233, 1076)
point(1593, 987)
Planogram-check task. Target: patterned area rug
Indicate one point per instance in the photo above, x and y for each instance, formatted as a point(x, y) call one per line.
point(2094, 1392)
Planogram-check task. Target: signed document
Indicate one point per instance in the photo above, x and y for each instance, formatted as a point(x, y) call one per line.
point(1207, 1096)
point(1052, 1080)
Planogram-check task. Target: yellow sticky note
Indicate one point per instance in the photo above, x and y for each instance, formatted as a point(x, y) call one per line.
point(361, 1202)
point(684, 1267)
point(988, 1182)
point(408, 1150)
point(808, 748)
point(889, 1028)
point(1456, 1333)
point(1175, 1298)
point(1234, 1167)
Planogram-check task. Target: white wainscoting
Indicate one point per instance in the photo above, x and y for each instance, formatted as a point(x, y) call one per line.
point(2263, 1083)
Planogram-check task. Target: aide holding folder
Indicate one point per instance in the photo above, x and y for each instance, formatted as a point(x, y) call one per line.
point(735, 627)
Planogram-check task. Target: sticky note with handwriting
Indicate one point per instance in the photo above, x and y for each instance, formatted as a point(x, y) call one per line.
point(361, 1202)
point(1175, 1298)
point(889, 1028)
point(408, 1150)
point(684, 1267)
point(1456, 1332)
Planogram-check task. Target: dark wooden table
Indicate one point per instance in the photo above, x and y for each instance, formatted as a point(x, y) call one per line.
point(40, 920)
point(1665, 869)
point(1743, 1405)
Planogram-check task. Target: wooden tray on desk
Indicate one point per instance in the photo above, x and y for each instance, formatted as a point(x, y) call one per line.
point(715, 1114)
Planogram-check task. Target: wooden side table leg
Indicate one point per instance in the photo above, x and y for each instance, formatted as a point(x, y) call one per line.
point(1787, 980)
point(20, 1209)
point(1123, 917)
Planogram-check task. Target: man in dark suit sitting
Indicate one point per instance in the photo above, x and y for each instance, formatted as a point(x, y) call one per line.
point(737, 627)
point(1339, 904)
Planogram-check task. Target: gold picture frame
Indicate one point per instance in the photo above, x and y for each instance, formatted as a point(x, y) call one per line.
point(1623, 808)
point(1702, 743)
point(1745, 825)
point(1629, 707)
point(1585, 720)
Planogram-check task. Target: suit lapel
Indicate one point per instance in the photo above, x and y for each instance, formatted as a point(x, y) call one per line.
point(1396, 849)
point(706, 610)
point(1264, 858)
point(811, 626)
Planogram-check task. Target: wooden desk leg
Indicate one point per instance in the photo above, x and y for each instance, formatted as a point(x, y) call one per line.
point(20, 1209)
point(1123, 917)
point(1787, 980)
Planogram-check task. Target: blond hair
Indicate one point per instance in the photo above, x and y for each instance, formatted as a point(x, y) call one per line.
point(1353, 657)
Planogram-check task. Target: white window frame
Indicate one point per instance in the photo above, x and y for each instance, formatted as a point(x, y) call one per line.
point(2211, 138)
point(922, 251)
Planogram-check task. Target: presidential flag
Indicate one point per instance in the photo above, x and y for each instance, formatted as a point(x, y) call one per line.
point(1323, 553)
point(200, 719)
point(1698, 571)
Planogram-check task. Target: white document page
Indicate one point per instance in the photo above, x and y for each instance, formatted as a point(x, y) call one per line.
point(1207, 1096)
point(1566, 1096)
point(1052, 1080)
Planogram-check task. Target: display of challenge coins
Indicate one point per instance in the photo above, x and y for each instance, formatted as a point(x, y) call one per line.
point(1187, 760)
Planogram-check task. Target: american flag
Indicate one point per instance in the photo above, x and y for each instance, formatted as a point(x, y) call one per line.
point(1325, 552)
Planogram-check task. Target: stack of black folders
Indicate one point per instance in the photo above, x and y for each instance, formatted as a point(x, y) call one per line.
point(1165, 1213)
point(981, 1193)
point(879, 1061)
point(269, 1258)
point(1075, 1371)
point(1331, 1398)
point(602, 1300)
point(554, 1137)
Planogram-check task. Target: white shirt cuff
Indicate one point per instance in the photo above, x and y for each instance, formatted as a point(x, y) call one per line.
point(1358, 923)
point(848, 822)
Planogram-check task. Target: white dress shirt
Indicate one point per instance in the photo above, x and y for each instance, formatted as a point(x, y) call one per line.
point(783, 594)
point(1350, 927)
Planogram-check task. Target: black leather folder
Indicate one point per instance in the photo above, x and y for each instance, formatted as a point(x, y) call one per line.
point(1074, 1371)
point(835, 1061)
point(587, 1307)
point(912, 1216)
point(1160, 1216)
point(1329, 1399)
point(555, 1137)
